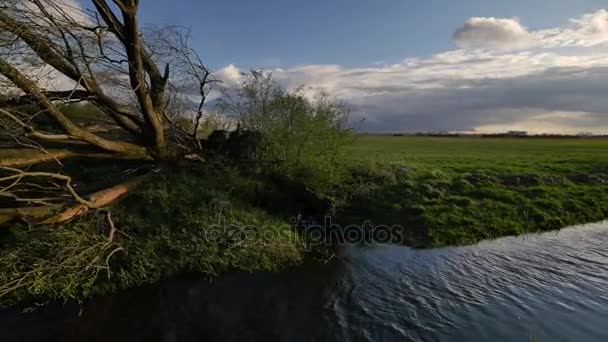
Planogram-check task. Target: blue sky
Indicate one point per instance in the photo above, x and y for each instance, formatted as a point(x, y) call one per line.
point(285, 33)
point(416, 65)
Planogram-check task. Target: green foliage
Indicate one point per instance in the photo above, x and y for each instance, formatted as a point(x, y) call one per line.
point(200, 220)
point(442, 191)
point(184, 122)
point(306, 136)
point(85, 113)
point(198, 223)
point(211, 122)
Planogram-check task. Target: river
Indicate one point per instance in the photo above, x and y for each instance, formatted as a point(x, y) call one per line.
point(545, 287)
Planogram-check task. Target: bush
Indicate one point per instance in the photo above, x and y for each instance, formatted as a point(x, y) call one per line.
point(305, 136)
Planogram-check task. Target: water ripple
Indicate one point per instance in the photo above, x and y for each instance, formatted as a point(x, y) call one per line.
point(545, 285)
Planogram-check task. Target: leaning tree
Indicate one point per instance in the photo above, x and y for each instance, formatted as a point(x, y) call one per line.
point(52, 54)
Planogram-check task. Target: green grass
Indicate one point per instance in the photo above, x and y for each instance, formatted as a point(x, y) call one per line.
point(204, 220)
point(447, 191)
point(496, 154)
point(86, 113)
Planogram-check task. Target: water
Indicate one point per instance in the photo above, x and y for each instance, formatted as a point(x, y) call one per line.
point(549, 287)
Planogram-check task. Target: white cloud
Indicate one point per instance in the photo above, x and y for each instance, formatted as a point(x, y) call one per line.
point(493, 33)
point(508, 33)
point(557, 83)
point(229, 75)
point(467, 90)
point(63, 11)
point(587, 31)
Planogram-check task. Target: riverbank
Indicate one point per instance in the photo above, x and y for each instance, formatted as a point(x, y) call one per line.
point(211, 220)
point(454, 191)
point(205, 220)
point(437, 208)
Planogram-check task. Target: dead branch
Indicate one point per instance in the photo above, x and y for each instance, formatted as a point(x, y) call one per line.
point(58, 213)
point(112, 226)
point(107, 61)
point(64, 95)
point(66, 124)
point(25, 157)
point(190, 76)
point(30, 130)
point(18, 174)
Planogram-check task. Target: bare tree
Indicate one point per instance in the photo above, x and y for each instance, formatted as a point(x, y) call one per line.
point(191, 80)
point(104, 59)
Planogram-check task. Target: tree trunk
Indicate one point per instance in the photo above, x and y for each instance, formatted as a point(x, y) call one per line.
point(26, 157)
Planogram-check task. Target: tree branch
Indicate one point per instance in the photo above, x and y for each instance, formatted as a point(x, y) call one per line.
point(46, 214)
point(66, 125)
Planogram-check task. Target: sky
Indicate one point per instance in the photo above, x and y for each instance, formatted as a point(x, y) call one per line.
point(412, 65)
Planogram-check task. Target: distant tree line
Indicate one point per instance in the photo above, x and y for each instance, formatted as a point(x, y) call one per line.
point(508, 134)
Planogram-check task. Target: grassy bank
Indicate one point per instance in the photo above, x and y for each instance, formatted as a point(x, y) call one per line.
point(203, 220)
point(230, 212)
point(212, 220)
point(461, 190)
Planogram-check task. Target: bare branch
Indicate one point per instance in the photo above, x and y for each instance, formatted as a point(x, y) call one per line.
point(52, 57)
point(68, 126)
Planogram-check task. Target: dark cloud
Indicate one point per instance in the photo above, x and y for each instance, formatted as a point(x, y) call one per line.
point(489, 101)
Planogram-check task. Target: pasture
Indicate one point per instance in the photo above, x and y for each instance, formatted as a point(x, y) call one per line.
point(459, 190)
point(470, 154)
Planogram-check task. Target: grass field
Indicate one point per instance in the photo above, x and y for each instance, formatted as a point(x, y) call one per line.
point(466, 154)
point(446, 191)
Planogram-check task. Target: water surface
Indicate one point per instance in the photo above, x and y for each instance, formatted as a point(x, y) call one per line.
point(548, 287)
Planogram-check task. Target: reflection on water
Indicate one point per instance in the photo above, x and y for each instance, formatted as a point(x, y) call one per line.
point(547, 287)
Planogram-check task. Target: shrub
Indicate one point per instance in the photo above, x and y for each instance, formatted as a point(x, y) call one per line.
point(304, 135)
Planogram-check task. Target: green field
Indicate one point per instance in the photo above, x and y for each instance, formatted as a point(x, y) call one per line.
point(447, 191)
point(498, 154)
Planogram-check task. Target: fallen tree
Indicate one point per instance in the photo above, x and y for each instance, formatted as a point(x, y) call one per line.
point(129, 75)
point(50, 213)
point(132, 89)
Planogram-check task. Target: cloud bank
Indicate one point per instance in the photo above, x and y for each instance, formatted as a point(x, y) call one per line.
point(502, 76)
